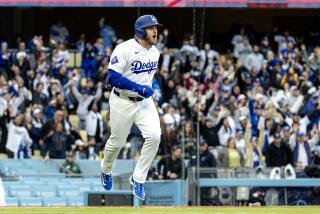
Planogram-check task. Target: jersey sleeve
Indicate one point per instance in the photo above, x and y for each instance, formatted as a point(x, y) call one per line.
point(118, 60)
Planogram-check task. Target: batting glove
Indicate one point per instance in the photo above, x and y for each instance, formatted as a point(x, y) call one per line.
point(145, 91)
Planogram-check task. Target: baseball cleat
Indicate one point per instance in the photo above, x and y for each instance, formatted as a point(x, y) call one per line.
point(138, 189)
point(106, 181)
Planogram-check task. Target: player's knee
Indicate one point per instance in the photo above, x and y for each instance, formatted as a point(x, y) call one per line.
point(116, 142)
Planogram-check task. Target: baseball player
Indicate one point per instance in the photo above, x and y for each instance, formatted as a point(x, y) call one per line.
point(131, 69)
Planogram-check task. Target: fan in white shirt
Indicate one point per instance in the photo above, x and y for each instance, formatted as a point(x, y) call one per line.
point(17, 135)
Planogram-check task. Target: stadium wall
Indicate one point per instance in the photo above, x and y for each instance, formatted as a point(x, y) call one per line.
point(31, 21)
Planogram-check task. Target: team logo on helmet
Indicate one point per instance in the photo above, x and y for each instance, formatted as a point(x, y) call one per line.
point(154, 19)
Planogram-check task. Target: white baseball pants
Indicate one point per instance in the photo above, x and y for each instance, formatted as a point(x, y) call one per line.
point(123, 113)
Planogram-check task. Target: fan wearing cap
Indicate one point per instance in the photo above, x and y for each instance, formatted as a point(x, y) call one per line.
point(37, 125)
point(240, 143)
point(243, 122)
point(278, 153)
point(80, 150)
point(207, 159)
point(69, 166)
point(301, 151)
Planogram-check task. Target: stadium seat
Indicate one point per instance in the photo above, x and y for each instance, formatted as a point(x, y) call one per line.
point(29, 178)
point(54, 201)
point(30, 201)
point(55, 183)
point(26, 171)
point(78, 59)
point(72, 181)
point(68, 191)
point(76, 201)
point(71, 62)
point(83, 82)
point(36, 155)
point(95, 180)
point(84, 136)
point(45, 191)
point(97, 187)
point(104, 114)
point(84, 188)
point(74, 120)
point(50, 179)
point(22, 191)
point(34, 183)
point(3, 156)
point(7, 184)
point(12, 201)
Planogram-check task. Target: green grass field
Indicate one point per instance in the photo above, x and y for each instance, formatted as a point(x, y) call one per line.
point(158, 210)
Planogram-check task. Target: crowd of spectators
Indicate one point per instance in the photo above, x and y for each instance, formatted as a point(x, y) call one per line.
point(255, 104)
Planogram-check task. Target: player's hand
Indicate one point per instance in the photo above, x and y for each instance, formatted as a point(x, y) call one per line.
point(145, 91)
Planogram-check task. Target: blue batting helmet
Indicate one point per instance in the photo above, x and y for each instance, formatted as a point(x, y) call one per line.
point(143, 22)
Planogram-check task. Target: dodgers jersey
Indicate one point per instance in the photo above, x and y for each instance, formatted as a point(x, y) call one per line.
point(135, 62)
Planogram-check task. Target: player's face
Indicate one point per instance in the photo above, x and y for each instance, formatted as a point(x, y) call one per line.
point(152, 33)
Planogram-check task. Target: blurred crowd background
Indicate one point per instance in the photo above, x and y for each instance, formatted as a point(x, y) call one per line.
point(254, 102)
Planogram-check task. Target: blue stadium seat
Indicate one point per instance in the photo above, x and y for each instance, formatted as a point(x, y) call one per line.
point(84, 188)
point(29, 178)
point(72, 181)
point(76, 201)
point(51, 178)
point(93, 166)
point(55, 183)
point(91, 181)
point(20, 191)
point(33, 182)
point(54, 201)
point(68, 191)
point(7, 184)
point(45, 191)
point(97, 187)
point(30, 201)
point(12, 201)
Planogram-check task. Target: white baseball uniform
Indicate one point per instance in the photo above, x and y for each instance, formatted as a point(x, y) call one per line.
point(139, 65)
